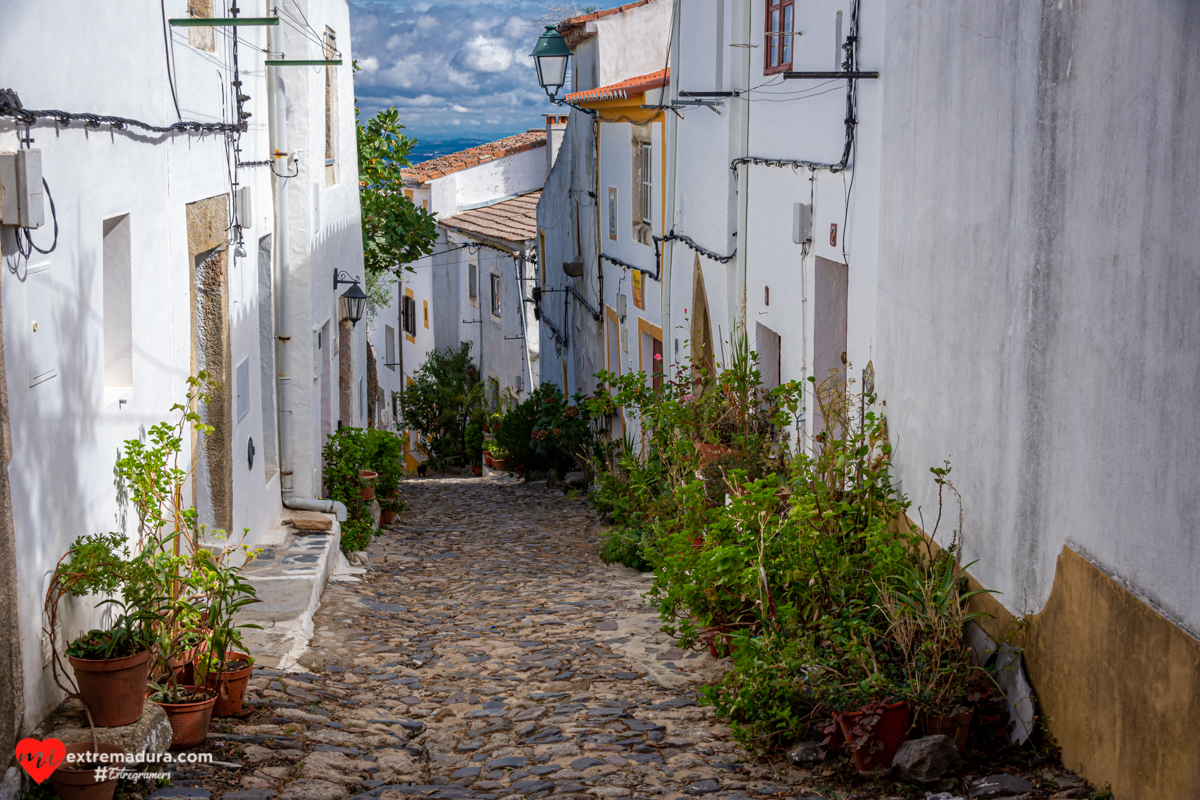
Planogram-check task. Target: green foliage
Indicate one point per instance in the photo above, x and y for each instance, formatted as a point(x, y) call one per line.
point(346, 454)
point(793, 561)
point(514, 430)
point(395, 231)
point(446, 396)
point(356, 535)
point(473, 442)
point(384, 452)
point(178, 588)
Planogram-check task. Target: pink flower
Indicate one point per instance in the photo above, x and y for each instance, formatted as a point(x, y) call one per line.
point(658, 356)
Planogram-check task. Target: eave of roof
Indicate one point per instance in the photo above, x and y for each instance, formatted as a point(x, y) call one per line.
point(512, 221)
point(627, 89)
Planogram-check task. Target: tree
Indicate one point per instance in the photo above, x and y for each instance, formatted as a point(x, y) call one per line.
point(395, 231)
point(445, 397)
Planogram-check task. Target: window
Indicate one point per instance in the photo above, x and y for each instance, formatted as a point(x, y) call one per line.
point(389, 347)
point(473, 282)
point(495, 295)
point(408, 315)
point(647, 183)
point(777, 50)
point(425, 306)
point(118, 304)
point(612, 213)
point(330, 110)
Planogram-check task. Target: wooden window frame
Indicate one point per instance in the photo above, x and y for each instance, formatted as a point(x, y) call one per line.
point(779, 41)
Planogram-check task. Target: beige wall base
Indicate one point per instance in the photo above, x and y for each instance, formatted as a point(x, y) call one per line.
point(1118, 682)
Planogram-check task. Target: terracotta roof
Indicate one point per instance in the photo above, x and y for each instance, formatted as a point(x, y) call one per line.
point(510, 220)
point(623, 90)
point(575, 22)
point(473, 156)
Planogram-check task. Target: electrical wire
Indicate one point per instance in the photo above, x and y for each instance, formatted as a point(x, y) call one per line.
point(167, 51)
point(28, 116)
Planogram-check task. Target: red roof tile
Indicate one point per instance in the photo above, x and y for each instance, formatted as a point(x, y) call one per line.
point(473, 156)
point(574, 22)
point(622, 90)
point(512, 220)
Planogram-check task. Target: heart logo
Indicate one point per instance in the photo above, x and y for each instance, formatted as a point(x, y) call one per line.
point(40, 757)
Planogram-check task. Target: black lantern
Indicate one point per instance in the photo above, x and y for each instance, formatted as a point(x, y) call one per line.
point(550, 56)
point(355, 298)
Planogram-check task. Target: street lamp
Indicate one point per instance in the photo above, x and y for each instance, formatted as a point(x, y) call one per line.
point(550, 56)
point(356, 299)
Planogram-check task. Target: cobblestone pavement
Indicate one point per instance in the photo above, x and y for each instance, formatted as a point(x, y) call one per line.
point(488, 653)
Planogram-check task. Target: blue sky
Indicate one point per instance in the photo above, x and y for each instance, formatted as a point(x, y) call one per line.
point(454, 68)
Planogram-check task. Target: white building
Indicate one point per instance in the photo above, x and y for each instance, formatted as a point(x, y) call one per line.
point(148, 283)
point(602, 208)
point(967, 217)
point(475, 286)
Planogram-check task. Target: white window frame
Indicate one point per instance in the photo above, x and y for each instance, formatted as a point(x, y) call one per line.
point(495, 286)
point(647, 183)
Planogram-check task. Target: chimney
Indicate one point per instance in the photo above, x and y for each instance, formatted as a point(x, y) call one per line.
point(556, 129)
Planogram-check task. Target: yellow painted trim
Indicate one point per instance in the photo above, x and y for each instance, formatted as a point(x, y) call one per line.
point(409, 293)
point(628, 110)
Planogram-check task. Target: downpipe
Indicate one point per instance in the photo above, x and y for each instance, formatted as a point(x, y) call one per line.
point(278, 119)
point(312, 504)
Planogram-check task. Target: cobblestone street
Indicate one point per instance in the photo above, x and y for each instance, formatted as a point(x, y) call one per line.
point(488, 653)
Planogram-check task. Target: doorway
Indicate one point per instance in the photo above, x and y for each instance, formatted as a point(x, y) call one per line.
point(829, 334)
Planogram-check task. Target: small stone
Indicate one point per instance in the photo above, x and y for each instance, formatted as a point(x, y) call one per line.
point(508, 761)
point(926, 759)
point(805, 753)
point(466, 772)
point(311, 521)
point(1000, 786)
point(581, 764)
point(703, 787)
point(312, 789)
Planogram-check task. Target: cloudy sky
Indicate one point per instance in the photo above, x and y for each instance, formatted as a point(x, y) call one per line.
point(454, 68)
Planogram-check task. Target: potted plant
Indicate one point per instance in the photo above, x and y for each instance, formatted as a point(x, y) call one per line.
point(875, 732)
point(496, 453)
point(391, 507)
point(111, 666)
point(924, 605)
point(228, 679)
point(76, 779)
point(367, 478)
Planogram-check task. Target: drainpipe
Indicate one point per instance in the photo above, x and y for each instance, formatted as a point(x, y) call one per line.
point(669, 211)
point(283, 322)
point(521, 313)
point(743, 175)
point(285, 164)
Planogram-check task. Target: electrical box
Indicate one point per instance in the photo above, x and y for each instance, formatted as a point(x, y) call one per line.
point(21, 193)
point(622, 305)
point(245, 210)
point(801, 223)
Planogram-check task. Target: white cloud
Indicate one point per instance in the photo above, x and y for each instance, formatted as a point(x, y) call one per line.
point(488, 55)
point(369, 64)
point(460, 109)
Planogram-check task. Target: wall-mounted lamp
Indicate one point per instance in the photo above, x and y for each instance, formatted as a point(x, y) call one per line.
point(356, 299)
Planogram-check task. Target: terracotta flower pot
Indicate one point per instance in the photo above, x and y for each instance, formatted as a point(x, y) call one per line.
point(81, 784)
point(498, 463)
point(387, 517)
point(230, 687)
point(182, 666)
point(886, 736)
point(487, 460)
point(113, 689)
point(956, 727)
point(368, 489)
point(189, 721)
point(478, 470)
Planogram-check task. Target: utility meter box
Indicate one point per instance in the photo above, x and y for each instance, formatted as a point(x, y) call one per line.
point(801, 223)
point(21, 193)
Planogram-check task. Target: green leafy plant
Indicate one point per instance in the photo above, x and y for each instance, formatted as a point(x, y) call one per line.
point(356, 535)
point(514, 431)
point(445, 397)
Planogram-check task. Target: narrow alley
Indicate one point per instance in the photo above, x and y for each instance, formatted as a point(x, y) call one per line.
point(488, 652)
